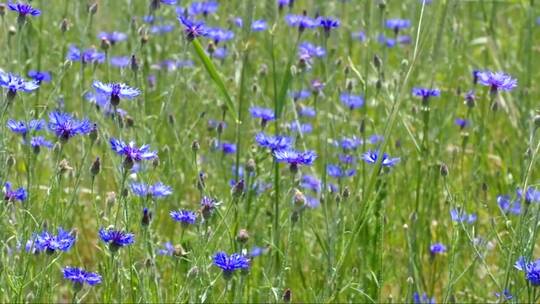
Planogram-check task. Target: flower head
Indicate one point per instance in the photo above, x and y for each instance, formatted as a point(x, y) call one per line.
point(116, 91)
point(39, 141)
point(12, 195)
point(295, 158)
point(259, 25)
point(116, 238)
point(371, 157)
point(50, 243)
point(306, 51)
point(24, 9)
point(219, 35)
point(302, 22)
point(80, 276)
point(65, 126)
point(23, 128)
point(531, 269)
point(14, 83)
point(203, 8)
point(459, 216)
point(462, 123)
point(193, 29)
point(185, 217)
point(352, 101)
point(437, 248)
point(40, 76)
point(426, 93)
point(112, 37)
point(497, 81)
point(87, 56)
point(230, 263)
point(265, 114)
point(397, 24)
point(328, 23)
point(273, 142)
point(422, 299)
point(157, 190)
point(131, 152)
point(508, 206)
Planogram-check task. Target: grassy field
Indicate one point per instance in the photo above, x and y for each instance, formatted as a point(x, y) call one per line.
point(298, 151)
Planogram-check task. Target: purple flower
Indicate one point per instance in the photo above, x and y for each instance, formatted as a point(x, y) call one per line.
point(12, 195)
point(531, 195)
point(459, 216)
point(161, 29)
point(462, 123)
point(504, 296)
point(273, 142)
point(497, 81)
point(307, 51)
point(337, 172)
point(350, 143)
point(307, 112)
point(230, 263)
point(79, 276)
point(157, 190)
point(23, 128)
point(259, 25)
point(193, 29)
point(352, 101)
point(115, 91)
point(371, 157)
point(39, 141)
point(40, 76)
point(389, 42)
point(219, 35)
point(425, 93)
point(360, 36)
point(328, 23)
point(302, 22)
point(116, 238)
point(185, 217)
point(112, 37)
point(24, 9)
point(228, 148)
point(264, 114)
point(168, 249)
point(65, 126)
point(132, 153)
point(300, 95)
point(120, 61)
point(295, 158)
point(437, 248)
point(14, 84)
point(397, 24)
point(311, 182)
point(423, 299)
point(531, 269)
point(50, 243)
point(205, 8)
point(85, 57)
point(304, 128)
point(508, 206)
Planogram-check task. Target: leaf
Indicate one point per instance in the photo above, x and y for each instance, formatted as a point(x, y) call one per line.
point(212, 71)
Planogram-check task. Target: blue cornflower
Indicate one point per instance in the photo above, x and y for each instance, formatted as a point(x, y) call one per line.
point(203, 8)
point(423, 299)
point(307, 51)
point(230, 263)
point(167, 249)
point(373, 139)
point(507, 205)
point(219, 35)
point(13, 83)
point(161, 29)
point(157, 190)
point(265, 114)
point(337, 172)
point(283, 3)
point(40, 76)
point(155, 4)
point(531, 269)
point(307, 112)
point(273, 142)
point(350, 143)
point(259, 25)
point(87, 56)
point(505, 295)
point(389, 42)
point(116, 238)
point(317, 86)
point(12, 195)
point(208, 205)
point(185, 217)
point(295, 158)
point(459, 216)
point(462, 123)
point(24, 10)
point(497, 81)
point(116, 91)
point(304, 128)
point(131, 151)
point(80, 276)
point(228, 148)
point(425, 93)
point(371, 157)
point(347, 159)
point(531, 195)
point(220, 53)
point(300, 95)
point(328, 23)
point(193, 29)
point(397, 24)
point(404, 39)
point(302, 22)
point(112, 37)
point(39, 141)
point(23, 128)
point(120, 61)
point(65, 126)
point(437, 248)
point(50, 243)
point(360, 36)
point(352, 101)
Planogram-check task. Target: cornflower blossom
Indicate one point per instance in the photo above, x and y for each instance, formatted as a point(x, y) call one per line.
point(131, 152)
point(14, 83)
point(273, 142)
point(352, 101)
point(302, 22)
point(185, 217)
point(112, 37)
point(371, 157)
point(23, 128)
point(80, 276)
point(231, 263)
point(116, 238)
point(192, 29)
point(497, 81)
point(459, 216)
point(295, 158)
point(40, 76)
point(157, 190)
point(397, 24)
point(115, 91)
point(11, 195)
point(65, 126)
point(531, 270)
point(86, 56)
point(48, 242)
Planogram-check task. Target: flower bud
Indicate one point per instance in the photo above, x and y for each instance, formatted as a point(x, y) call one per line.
point(243, 236)
point(96, 167)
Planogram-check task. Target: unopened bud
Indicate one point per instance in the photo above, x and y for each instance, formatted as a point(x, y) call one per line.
point(243, 236)
point(444, 170)
point(251, 165)
point(92, 8)
point(195, 146)
point(96, 167)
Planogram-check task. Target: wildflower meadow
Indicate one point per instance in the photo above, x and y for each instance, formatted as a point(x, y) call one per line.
point(270, 151)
